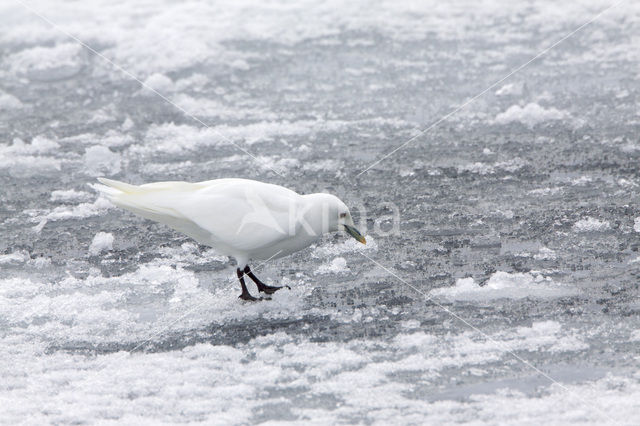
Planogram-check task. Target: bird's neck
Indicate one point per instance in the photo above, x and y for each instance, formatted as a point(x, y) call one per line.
point(319, 213)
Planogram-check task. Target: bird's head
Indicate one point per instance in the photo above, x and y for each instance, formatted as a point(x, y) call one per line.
point(339, 217)
point(345, 223)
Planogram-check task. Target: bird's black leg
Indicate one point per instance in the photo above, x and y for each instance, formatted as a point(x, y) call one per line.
point(262, 287)
point(245, 293)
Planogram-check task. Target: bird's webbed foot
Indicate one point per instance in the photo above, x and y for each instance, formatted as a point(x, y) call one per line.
point(249, 298)
point(245, 293)
point(262, 287)
point(270, 289)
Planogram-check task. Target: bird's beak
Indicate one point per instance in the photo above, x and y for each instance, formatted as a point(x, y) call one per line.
point(355, 233)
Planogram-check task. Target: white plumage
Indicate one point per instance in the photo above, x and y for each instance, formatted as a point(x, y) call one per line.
point(242, 218)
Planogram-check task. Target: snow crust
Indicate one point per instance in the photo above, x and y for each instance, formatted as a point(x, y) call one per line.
point(103, 241)
point(108, 318)
point(591, 224)
point(530, 115)
point(504, 285)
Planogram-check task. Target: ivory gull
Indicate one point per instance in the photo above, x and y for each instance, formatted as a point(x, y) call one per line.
point(245, 219)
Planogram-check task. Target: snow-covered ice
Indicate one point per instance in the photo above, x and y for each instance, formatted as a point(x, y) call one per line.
point(103, 241)
point(591, 224)
point(530, 114)
point(517, 241)
point(505, 285)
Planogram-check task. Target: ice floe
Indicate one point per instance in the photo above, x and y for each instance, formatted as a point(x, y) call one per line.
point(530, 115)
point(504, 285)
point(101, 161)
point(78, 211)
point(69, 195)
point(26, 159)
point(336, 266)
point(591, 224)
point(47, 63)
point(8, 101)
point(347, 246)
point(102, 241)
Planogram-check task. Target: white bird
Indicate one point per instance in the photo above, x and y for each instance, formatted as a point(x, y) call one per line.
point(241, 218)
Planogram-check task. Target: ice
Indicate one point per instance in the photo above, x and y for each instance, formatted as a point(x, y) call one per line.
point(178, 139)
point(510, 89)
point(545, 253)
point(22, 159)
point(8, 101)
point(101, 116)
point(111, 138)
point(101, 161)
point(504, 285)
point(485, 168)
point(14, 258)
point(47, 63)
point(283, 166)
point(39, 145)
point(347, 246)
point(127, 124)
point(160, 83)
point(69, 195)
point(545, 191)
point(195, 82)
point(21, 166)
point(103, 241)
point(78, 211)
point(591, 224)
point(337, 266)
point(530, 115)
point(321, 165)
point(517, 240)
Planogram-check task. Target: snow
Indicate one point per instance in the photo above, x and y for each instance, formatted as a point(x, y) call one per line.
point(26, 159)
point(67, 195)
point(530, 115)
point(101, 161)
point(591, 224)
point(516, 213)
point(208, 383)
point(179, 139)
point(510, 89)
point(510, 166)
point(347, 246)
point(103, 241)
point(337, 266)
point(545, 254)
point(14, 258)
point(47, 63)
point(78, 211)
point(158, 82)
point(504, 285)
point(39, 145)
point(127, 124)
point(8, 101)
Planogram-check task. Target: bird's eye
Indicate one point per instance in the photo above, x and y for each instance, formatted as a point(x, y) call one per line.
point(343, 215)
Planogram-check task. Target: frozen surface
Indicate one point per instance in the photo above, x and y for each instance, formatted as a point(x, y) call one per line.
point(103, 241)
point(518, 239)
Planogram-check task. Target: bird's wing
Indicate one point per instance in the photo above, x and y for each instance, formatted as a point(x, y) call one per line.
point(241, 214)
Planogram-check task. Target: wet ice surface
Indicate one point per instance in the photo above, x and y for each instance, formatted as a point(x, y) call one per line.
point(519, 218)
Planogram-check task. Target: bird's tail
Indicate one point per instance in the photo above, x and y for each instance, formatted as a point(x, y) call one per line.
point(112, 187)
point(147, 200)
point(119, 193)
